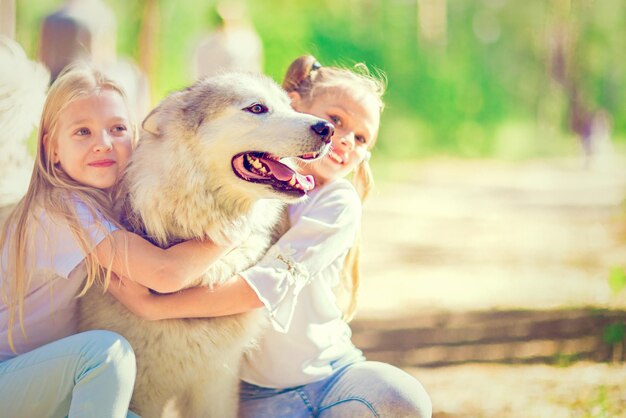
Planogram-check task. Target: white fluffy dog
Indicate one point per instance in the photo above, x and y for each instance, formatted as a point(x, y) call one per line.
point(207, 165)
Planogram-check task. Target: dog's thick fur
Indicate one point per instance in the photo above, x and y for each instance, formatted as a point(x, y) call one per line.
point(182, 185)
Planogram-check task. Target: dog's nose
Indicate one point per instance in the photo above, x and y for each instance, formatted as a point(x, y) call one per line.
point(325, 130)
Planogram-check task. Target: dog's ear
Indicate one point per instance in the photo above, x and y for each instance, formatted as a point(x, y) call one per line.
point(155, 121)
point(150, 123)
point(197, 102)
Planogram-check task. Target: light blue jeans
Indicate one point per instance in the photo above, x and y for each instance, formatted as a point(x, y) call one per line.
point(91, 374)
point(361, 389)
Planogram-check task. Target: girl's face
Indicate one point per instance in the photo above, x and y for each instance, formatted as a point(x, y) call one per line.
point(94, 139)
point(356, 126)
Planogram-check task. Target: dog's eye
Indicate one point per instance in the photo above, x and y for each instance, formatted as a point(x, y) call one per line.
point(257, 108)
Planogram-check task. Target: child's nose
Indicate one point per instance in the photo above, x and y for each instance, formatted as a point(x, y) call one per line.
point(348, 140)
point(103, 142)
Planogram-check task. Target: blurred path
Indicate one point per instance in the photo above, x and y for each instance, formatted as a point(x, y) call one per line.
point(473, 266)
point(478, 235)
point(583, 390)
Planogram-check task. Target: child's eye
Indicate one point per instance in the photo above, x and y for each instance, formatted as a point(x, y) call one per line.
point(82, 132)
point(119, 128)
point(335, 120)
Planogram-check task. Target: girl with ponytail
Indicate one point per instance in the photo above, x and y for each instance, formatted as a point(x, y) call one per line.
point(305, 365)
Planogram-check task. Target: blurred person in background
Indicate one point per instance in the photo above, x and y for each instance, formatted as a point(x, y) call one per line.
point(85, 30)
point(233, 45)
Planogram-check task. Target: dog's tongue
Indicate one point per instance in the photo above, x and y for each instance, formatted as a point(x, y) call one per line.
point(284, 173)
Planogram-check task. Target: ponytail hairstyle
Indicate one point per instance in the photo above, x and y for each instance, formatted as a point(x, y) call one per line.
point(52, 190)
point(307, 77)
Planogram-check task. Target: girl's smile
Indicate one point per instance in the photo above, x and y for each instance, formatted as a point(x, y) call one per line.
point(102, 163)
point(333, 156)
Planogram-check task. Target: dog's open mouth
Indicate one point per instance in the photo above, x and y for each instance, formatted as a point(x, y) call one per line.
point(261, 167)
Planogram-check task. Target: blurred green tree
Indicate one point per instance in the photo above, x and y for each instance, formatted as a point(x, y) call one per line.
point(467, 78)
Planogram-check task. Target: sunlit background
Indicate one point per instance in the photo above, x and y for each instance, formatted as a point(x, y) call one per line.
point(472, 78)
point(494, 243)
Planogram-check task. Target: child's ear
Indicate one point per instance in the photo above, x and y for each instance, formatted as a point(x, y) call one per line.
point(46, 144)
point(296, 99)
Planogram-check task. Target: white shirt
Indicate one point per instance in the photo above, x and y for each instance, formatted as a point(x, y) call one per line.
point(50, 305)
point(295, 282)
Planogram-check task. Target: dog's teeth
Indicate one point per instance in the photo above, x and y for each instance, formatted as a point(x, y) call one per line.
point(292, 182)
point(254, 162)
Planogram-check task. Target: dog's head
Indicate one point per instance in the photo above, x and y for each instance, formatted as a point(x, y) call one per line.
point(239, 129)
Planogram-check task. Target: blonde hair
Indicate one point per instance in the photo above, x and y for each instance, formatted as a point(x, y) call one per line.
point(307, 77)
point(52, 189)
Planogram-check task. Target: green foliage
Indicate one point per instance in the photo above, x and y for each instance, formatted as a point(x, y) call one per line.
point(602, 403)
point(617, 279)
point(564, 360)
point(485, 90)
point(614, 333)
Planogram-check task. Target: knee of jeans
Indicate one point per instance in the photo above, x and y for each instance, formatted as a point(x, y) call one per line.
point(405, 396)
point(423, 407)
point(414, 403)
point(110, 347)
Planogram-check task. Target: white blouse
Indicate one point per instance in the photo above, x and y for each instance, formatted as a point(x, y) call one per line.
point(295, 282)
point(50, 306)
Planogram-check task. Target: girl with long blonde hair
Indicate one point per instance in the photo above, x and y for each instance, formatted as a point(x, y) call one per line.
point(306, 364)
point(61, 239)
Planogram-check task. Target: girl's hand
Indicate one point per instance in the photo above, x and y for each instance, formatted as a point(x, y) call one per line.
point(136, 297)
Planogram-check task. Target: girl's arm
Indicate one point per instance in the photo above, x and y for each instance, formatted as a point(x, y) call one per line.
point(313, 249)
point(233, 297)
point(164, 270)
point(322, 234)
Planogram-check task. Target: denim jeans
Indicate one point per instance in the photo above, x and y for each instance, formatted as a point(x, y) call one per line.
point(91, 374)
point(361, 389)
